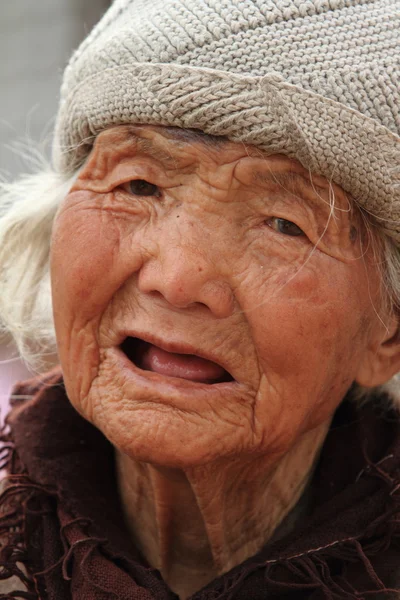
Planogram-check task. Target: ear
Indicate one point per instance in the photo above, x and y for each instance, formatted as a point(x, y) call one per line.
point(381, 360)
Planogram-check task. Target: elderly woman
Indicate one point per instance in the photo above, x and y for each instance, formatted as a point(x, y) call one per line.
point(219, 234)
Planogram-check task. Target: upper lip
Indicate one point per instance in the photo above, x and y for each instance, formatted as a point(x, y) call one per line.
point(176, 347)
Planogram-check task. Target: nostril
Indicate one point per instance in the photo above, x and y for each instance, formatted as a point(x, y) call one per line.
point(180, 300)
point(155, 294)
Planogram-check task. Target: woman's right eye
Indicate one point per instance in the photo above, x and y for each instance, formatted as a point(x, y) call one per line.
point(140, 187)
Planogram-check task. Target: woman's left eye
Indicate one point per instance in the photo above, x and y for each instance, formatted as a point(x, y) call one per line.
point(140, 187)
point(285, 227)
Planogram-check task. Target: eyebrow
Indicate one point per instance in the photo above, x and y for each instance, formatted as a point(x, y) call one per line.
point(186, 136)
point(292, 181)
point(153, 150)
point(197, 135)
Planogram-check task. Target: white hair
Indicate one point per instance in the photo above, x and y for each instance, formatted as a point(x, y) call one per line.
point(27, 210)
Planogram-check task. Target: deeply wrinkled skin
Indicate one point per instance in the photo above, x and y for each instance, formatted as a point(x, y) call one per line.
point(238, 258)
point(293, 319)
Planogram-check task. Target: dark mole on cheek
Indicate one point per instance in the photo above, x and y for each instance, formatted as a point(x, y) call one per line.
point(353, 234)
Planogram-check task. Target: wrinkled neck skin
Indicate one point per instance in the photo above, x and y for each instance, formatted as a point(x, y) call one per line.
point(193, 525)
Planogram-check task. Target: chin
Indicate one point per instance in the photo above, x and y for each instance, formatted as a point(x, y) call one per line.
point(180, 426)
point(163, 419)
point(160, 438)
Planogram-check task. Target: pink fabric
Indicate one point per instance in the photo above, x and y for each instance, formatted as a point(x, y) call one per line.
point(11, 371)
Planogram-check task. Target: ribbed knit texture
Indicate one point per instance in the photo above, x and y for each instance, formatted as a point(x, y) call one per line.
point(317, 80)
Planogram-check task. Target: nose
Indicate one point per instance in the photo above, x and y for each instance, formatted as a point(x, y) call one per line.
point(184, 276)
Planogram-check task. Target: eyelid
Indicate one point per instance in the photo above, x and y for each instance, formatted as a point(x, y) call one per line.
point(126, 187)
point(130, 170)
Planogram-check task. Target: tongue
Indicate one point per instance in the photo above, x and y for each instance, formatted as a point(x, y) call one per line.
point(186, 366)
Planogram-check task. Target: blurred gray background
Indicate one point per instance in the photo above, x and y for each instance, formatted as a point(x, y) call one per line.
point(36, 39)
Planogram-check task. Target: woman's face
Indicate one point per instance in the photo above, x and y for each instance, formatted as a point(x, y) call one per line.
point(208, 301)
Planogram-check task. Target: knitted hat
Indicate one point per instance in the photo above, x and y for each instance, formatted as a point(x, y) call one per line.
point(316, 80)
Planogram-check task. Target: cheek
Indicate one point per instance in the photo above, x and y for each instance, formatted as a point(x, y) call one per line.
point(311, 310)
point(87, 245)
point(309, 339)
point(87, 267)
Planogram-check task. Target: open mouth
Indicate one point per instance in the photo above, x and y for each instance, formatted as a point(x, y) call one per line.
point(149, 357)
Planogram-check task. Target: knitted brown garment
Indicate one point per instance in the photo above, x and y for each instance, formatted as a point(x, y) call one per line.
point(65, 539)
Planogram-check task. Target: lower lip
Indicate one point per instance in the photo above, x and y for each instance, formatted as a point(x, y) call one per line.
point(163, 383)
point(182, 366)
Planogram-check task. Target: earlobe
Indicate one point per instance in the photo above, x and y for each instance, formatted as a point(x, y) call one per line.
point(382, 358)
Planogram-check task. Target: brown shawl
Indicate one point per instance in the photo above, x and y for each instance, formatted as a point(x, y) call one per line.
point(64, 537)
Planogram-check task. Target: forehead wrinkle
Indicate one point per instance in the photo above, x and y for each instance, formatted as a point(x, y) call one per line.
point(293, 181)
point(170, 151)
point(171, 159)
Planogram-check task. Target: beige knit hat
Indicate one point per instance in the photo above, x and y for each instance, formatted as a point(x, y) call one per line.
point(317, 80)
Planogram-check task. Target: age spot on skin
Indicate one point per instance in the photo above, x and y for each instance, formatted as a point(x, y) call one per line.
point(353, 234)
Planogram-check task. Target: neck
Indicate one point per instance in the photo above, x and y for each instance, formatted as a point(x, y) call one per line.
point(196, 524)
